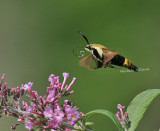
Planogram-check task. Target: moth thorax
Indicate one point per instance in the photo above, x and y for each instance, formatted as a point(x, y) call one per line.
point(99, 50)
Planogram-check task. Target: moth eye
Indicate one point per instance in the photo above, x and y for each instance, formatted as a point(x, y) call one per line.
point(89, 47)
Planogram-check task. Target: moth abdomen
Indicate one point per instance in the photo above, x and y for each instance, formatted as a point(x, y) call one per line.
point(118, 60)
point(133, 67)
point(122, 61)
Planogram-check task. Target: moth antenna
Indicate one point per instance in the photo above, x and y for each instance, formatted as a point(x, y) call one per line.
point(83, 36)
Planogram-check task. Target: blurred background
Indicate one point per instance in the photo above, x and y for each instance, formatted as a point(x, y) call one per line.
point(37, 39)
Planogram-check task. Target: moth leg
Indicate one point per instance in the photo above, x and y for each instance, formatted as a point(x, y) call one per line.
point(109, 65)
point(99, 64)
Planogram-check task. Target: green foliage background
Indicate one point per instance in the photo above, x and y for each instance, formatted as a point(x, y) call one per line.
point(37, 38)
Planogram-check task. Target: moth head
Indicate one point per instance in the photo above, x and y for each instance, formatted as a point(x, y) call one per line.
point(89, 48)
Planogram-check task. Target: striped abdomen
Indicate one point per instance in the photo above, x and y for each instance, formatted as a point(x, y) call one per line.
point(122, 61)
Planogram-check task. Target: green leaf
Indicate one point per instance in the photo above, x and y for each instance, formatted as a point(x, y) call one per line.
point(106, 113)
point(139, 105)
point(89, 125)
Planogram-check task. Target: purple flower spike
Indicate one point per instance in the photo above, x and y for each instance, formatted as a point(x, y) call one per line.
point(65, 101)
point(57, 79)
point(117, 115)
point(13, 127)
point(55, 124)
point(58, 115)
point(29, 109)
point(67, 109)
point(51, 78)
point(119, 106)
point(71, 92)
point(3, 77)
point(73, 116)
point(48, 112)
point(51, 95)
point(28, 86)
point(74, 79)
point(122, 117)
point(19, 119)
point(43, 113)
point(28, 125)
point(126, 115)
point(65, 75)
point(32, 104)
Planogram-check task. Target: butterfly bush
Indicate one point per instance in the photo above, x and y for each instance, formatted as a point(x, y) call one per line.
point(44, 113)
point(123, 117)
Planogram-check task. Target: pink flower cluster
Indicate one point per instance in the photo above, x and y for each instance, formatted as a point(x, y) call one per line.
point(43, 112)
point(122, 117)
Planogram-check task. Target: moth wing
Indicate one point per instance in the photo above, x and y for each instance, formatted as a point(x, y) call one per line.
point(90, 62)
point(108, 55)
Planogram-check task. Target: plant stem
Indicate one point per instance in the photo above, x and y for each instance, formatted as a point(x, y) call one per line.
point(125, 129)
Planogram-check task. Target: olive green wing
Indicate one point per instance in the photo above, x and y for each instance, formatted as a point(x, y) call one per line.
point(107, 56)
point(90, 62)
